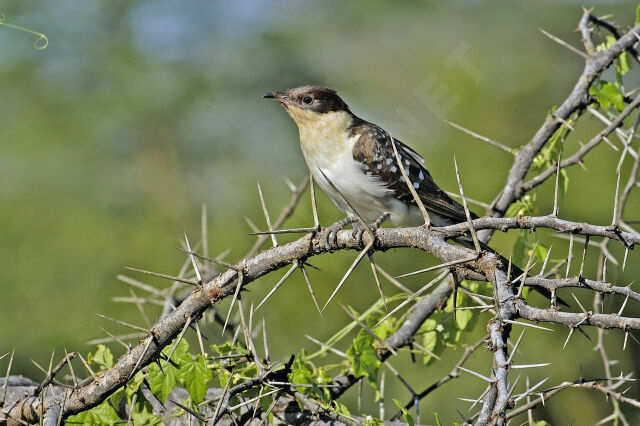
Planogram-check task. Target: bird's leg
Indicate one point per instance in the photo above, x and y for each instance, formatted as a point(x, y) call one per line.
point(379, 221)
point(358, 231)
point(330, 233)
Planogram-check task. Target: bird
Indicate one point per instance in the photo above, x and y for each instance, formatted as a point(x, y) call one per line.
point(353, 159)
point(354, 163)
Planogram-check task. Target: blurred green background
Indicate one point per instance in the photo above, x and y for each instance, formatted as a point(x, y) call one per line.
point(137, 113)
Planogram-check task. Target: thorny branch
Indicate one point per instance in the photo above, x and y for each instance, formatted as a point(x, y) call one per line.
point(507, 307)
point(224, 285)
point(576, 102)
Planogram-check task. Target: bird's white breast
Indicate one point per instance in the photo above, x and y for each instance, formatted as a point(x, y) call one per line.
point(327, 145)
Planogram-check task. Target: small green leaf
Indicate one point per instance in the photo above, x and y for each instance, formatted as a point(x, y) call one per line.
point(227, 347)
point(607, 94)
point(430, 343)
point(438, 422)
point(519, 256)
point(102, 357)
point(405, 413)
point(373, 421)
point(637, 15)
point(182, 349)
point(194, 376)
point(364, 358)
point(162, 381)
point(464, 319)
point(301, 372)
point(142, 413)
point(623, 64)
point(103, 414)
point(116, 397)
point(523, 207)
point(340, 408)
point(134, 384)
point(386, 328)
point(541, 253)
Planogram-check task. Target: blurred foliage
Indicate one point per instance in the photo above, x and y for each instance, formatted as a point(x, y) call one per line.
point(137, 113)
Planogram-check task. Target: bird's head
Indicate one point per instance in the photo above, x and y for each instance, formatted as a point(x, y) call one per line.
point(310, 104)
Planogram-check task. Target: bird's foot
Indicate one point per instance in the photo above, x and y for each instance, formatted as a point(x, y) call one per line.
point(379, 221)
point(330, 233)
point(358, 231)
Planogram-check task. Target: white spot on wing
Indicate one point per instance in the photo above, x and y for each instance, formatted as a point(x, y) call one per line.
point(379, 166)
point(394, 169)
point(406, 162)
point(389, 160)
point(416, 185)
point(421, 176)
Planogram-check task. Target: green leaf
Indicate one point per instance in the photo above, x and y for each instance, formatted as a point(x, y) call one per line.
point(541, 253)
point(194, 376)
point(116, 397)
point(364, 358)
point(301, 372)
point(142, 413)
point(134, 384)
point(438, 422)
point(623, 64)
point(523, 207)
point(373, 421)
point(163, 380)
point(563, 184)
point(637, 15)
point(102, 357)
point(103, 414)
point(405, 413)
point(183, 348)
point(340, 408)
point(519, 256)
point(607, 94)
point(464, 319)
point(429, 342)
point(386, 328)
point(227, 347)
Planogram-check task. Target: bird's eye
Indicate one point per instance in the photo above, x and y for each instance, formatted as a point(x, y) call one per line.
point(307, 100)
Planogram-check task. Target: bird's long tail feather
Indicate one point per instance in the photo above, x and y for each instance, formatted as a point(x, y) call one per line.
point(515, 270)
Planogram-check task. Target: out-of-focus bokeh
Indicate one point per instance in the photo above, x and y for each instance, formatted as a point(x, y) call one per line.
point(137, 113)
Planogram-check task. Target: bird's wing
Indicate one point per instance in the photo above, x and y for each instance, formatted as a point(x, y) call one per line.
point(374, 150)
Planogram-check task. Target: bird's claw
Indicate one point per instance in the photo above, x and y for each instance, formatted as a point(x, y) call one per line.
point(379, 221)
point(357, 234)
point(358, 231)
point(330, 233)
point(330, 238)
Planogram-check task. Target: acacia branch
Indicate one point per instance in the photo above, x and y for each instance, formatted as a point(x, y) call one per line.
point(577, 100)
point(572, 320)
point(545, 395)
point(431, 240)
point(581, 282)
point(582, 152)
point(628, 239)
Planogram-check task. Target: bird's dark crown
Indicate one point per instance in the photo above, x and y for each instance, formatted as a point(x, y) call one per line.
point(314, 98)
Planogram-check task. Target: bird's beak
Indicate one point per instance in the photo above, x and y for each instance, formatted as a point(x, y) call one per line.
point(278, 96)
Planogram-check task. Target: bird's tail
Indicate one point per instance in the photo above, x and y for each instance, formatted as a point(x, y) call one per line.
point(515, 270)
